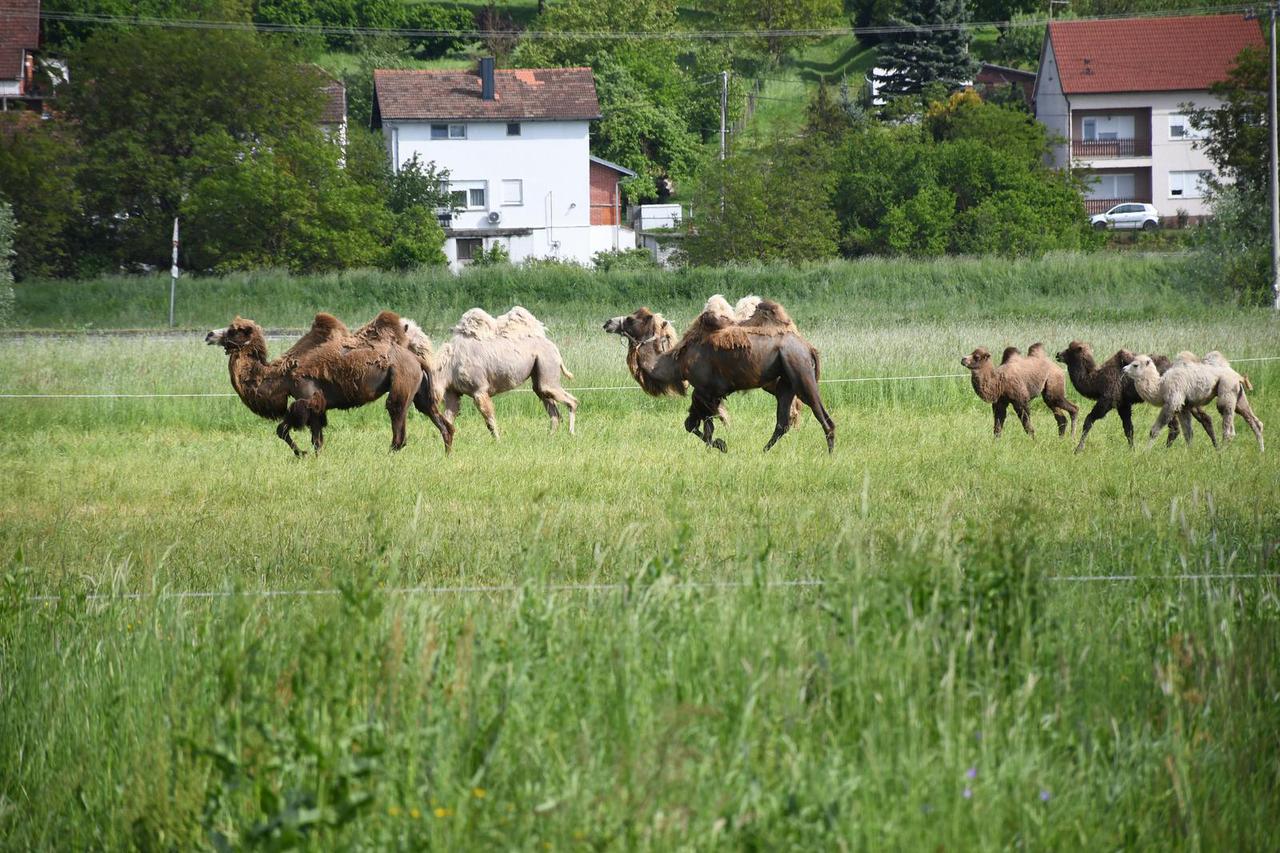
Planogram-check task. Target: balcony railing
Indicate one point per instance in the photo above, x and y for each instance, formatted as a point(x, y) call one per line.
point(1095, 206)
point(1098, 149)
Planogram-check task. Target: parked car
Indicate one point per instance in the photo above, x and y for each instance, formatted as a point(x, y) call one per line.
point(1128, 215)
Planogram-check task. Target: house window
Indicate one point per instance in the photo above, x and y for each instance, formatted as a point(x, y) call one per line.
point(1180, 128)
point(1187, 184)
point(1104, 128)
point(513, 192)
point(448, 131)
point(513, 128)
point(468, 248)
point(1113, 185)
point(468, 195)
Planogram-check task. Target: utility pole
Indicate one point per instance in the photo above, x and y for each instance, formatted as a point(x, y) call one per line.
point(173, 273)
point(1275, 175)
point(724, 108)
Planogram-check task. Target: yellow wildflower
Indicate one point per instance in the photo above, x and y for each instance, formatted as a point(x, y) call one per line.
point(479, 793)
point(443, 812)
point(394, 811)
point(415, 814)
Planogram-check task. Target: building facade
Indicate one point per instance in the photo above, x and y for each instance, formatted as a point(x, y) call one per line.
point(1116, 93)
point(516, 144)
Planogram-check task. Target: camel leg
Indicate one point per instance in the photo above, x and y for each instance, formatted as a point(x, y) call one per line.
point(425, 401)
point(803, 379)
point(398, 409)
point(786, 405)
point(553, 412)
point(1125, 411)
point(452, 405)
point(999, 409)
point(1174, 432)
point(1202, 417)
point(485, 404)
point(1058, 403)
point(317, 419)
point(282, 430)
point(1098, 412)
point(1246, 411)
point(1023, 411)
point(1184, 423)
point(550, 396)
point(700, 421)
point(1162, 420)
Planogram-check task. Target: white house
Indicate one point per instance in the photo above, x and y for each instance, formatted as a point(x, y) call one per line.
point(516, 144)
point(1116, 92)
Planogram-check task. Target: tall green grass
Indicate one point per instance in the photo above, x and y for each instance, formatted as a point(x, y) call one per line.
point(1099, 286)
point(946, 685)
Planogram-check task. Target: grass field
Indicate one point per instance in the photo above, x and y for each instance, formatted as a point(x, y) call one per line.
point(945, 686)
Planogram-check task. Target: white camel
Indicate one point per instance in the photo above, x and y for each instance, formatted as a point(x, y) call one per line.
point(1189, 382)
point(489, 355)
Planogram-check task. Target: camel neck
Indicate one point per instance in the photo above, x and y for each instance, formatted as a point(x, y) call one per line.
point(1083, 371)
point(657, 372)
point(250, 377)
point(984, 382)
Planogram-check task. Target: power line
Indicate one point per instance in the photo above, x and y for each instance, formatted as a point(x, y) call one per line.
point(653, 35)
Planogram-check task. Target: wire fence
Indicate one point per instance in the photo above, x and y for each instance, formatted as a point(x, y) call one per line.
point(578, 390)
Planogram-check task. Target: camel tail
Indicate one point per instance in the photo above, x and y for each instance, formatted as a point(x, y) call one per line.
point(1245, 383)
point(565, 371)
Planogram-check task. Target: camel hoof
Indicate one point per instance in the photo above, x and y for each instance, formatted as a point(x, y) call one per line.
point(719, 444)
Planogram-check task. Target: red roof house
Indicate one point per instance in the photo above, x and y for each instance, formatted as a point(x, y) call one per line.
point(19, 41)
point(1116, 93)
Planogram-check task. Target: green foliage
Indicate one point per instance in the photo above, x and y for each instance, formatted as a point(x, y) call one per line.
point(765, 15)
point(430, 17)
point(640, 133)
point(917, 58)
point(973, 182)
point(39, 166)
point(777, 207)
point(626, 259)
point(1019, 44)
point(64, 35)
point(8, 229)
point(149, 127)
point(495, 255)
point(351, 15)
point(1233, 248)
point(417, 185)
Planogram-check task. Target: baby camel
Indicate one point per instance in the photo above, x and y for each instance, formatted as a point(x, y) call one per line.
point(1017, 380)
point(1194, 382)
point(1111, 389)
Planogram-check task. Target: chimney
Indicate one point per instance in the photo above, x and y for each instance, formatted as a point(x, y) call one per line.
point(486, 78)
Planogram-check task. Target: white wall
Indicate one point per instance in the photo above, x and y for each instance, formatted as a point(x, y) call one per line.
point(550, 158)
point(1052, 109)
point(1167, 153)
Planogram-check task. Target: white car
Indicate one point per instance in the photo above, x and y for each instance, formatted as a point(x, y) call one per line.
point(1128, 215)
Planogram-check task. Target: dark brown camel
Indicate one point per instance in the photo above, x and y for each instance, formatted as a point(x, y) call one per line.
point(1112, 389)
point(1017, 381)
point(329, 368)
point(718, 357)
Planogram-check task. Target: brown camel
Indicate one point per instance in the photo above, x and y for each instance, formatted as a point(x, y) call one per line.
point(329, 368)
point(718, 357)
point(1018, 380)
point(1112, 389)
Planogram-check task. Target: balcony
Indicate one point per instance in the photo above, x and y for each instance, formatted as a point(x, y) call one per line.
point(1102, 149)
point(1094, 206)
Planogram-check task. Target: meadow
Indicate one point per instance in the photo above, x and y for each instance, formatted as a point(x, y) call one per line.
point(621, 640)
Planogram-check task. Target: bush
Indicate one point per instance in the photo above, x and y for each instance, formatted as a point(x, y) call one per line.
point(421, 16)
point(1234, 247)
point(627, 259)
point(7, 229)
point(491, 257)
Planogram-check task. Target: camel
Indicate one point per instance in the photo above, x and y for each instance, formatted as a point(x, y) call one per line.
point(328, 368)
point(487, 356)
point(1189, 382)
point(718, 356)
point(1018, 380)
point(1108, 385)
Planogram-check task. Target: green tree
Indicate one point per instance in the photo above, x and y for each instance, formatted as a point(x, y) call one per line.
point(7, 230)
point(915, 57)
point(771, 15)
point(777, 207)
point(144, 122)
point(1236, 129)
point(39, 166)
point(641, 133)
point(966, 116)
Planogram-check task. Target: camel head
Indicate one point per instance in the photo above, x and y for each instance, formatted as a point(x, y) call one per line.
point(1141, 364)
point(977, 359)
point(1076, 352)
point(238, 335)
point(641, 327)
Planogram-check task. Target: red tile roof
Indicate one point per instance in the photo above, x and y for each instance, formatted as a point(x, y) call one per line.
point(19, 32)
point(335, 96)
point(528, 94)
point(1149, 54)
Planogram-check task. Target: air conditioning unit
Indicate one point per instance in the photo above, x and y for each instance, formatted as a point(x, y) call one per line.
point(495, 217)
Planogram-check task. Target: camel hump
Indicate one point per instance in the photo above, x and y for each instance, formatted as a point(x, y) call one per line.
point(1216, 358)
point(718, 306)
point(746, 308)
point(416, 339)
point(518, 323)
point(1009, 354)
point(324, 329)
point(477, 323)
point(769, 314)
point(387, 327)
point(1188, 357)
point(1036, 350)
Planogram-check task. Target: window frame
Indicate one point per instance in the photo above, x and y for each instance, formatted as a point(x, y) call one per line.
point(1189, 132)
point(441, 131)
point(1191, 180)
point(466, 189)
point(516, 125)
point(473, 243)
point(519, 184)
